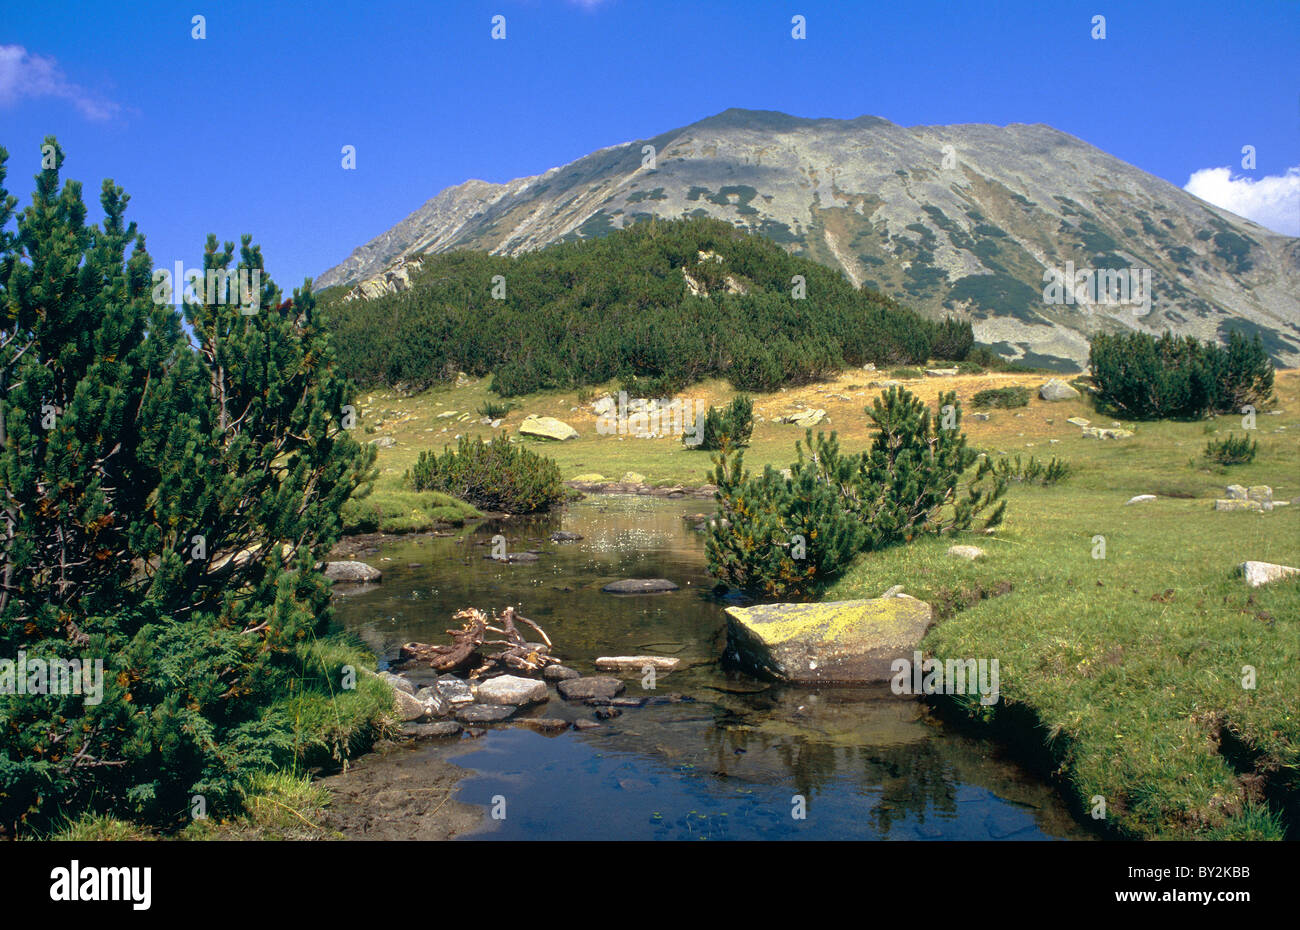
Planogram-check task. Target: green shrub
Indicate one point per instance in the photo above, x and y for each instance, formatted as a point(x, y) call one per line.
point(618, 308)
point(1001, 397)
point(728, 428)
point(168, 522)
point(495, 411)
point(497, 476)
point(969, 368)
point(1234, 450)
point(907, 374)
point(1145, 378)
point(1033, 471)
point(781, 537)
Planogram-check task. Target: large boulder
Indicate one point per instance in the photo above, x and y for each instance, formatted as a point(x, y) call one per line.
point(352, 572)
point(547, 428)
point(409, 707)
point(1261, 573)
point(511, 689)
point(837, 641)
point(1056, 389)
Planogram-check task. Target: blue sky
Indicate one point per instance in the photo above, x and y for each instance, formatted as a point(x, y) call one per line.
point(242, 131)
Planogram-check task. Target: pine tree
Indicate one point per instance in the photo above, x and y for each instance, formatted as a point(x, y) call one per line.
point(166, 506)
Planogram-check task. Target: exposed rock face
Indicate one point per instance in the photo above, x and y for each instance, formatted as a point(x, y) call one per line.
point(1056, 389)
point(639, 586)
point(637, 664)
point(580, 689)
point(873, 199)
point(547, 428)
point(837, 641)
point(511, 689)
point(352, 572)
point(1261, 573)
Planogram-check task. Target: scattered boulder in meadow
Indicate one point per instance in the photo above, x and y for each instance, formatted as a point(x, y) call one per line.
point(812, 416)
point(966, 552)
point(1079, 421)
point(1261, 573)
point(511, 689)
point(383, 442)
point(547, 428)
point(603, 406)
point(1236, 492)
point(639, 586)
point(941, 372)
point(1140, 499)
point(979, 416)
point(1260, 492)
point(632, 477)
point(1094, 432)
point(597, 686)
point(1233, 504)
point(1056, 389)
point(835, 641)
point(885, 385)
point(352, 572)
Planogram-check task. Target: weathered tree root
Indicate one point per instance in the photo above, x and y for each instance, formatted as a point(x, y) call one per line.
point(513, 653)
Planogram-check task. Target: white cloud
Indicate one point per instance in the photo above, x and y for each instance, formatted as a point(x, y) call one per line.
point(24, 75)
point(1273, 201)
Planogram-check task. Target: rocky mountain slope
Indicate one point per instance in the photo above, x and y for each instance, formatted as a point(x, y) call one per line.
point(964, 220)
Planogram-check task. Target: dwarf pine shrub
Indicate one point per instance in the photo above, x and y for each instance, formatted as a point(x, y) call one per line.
point(498, 476)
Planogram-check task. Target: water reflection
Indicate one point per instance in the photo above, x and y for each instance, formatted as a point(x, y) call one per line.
point(737, 757)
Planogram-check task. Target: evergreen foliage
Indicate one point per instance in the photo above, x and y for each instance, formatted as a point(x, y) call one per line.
point(499, 476)
point(1146, 378)
point(1233, 450)
point(728, 428)
point(621, 307)
point(1014, 396)
point(166, 500)
point(779, 537)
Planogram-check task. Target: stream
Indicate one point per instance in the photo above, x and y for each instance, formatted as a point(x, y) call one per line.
point(729, 757)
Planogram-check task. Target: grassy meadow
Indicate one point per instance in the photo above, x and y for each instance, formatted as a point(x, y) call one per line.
point(1123, 674)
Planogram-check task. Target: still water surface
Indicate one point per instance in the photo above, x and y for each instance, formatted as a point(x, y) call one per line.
point(730, 763)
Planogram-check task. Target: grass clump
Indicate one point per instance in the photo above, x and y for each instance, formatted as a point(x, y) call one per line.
point(1015, 396)
point(1234, 450)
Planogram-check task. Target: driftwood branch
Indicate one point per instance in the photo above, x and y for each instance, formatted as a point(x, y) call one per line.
point(469, 645)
